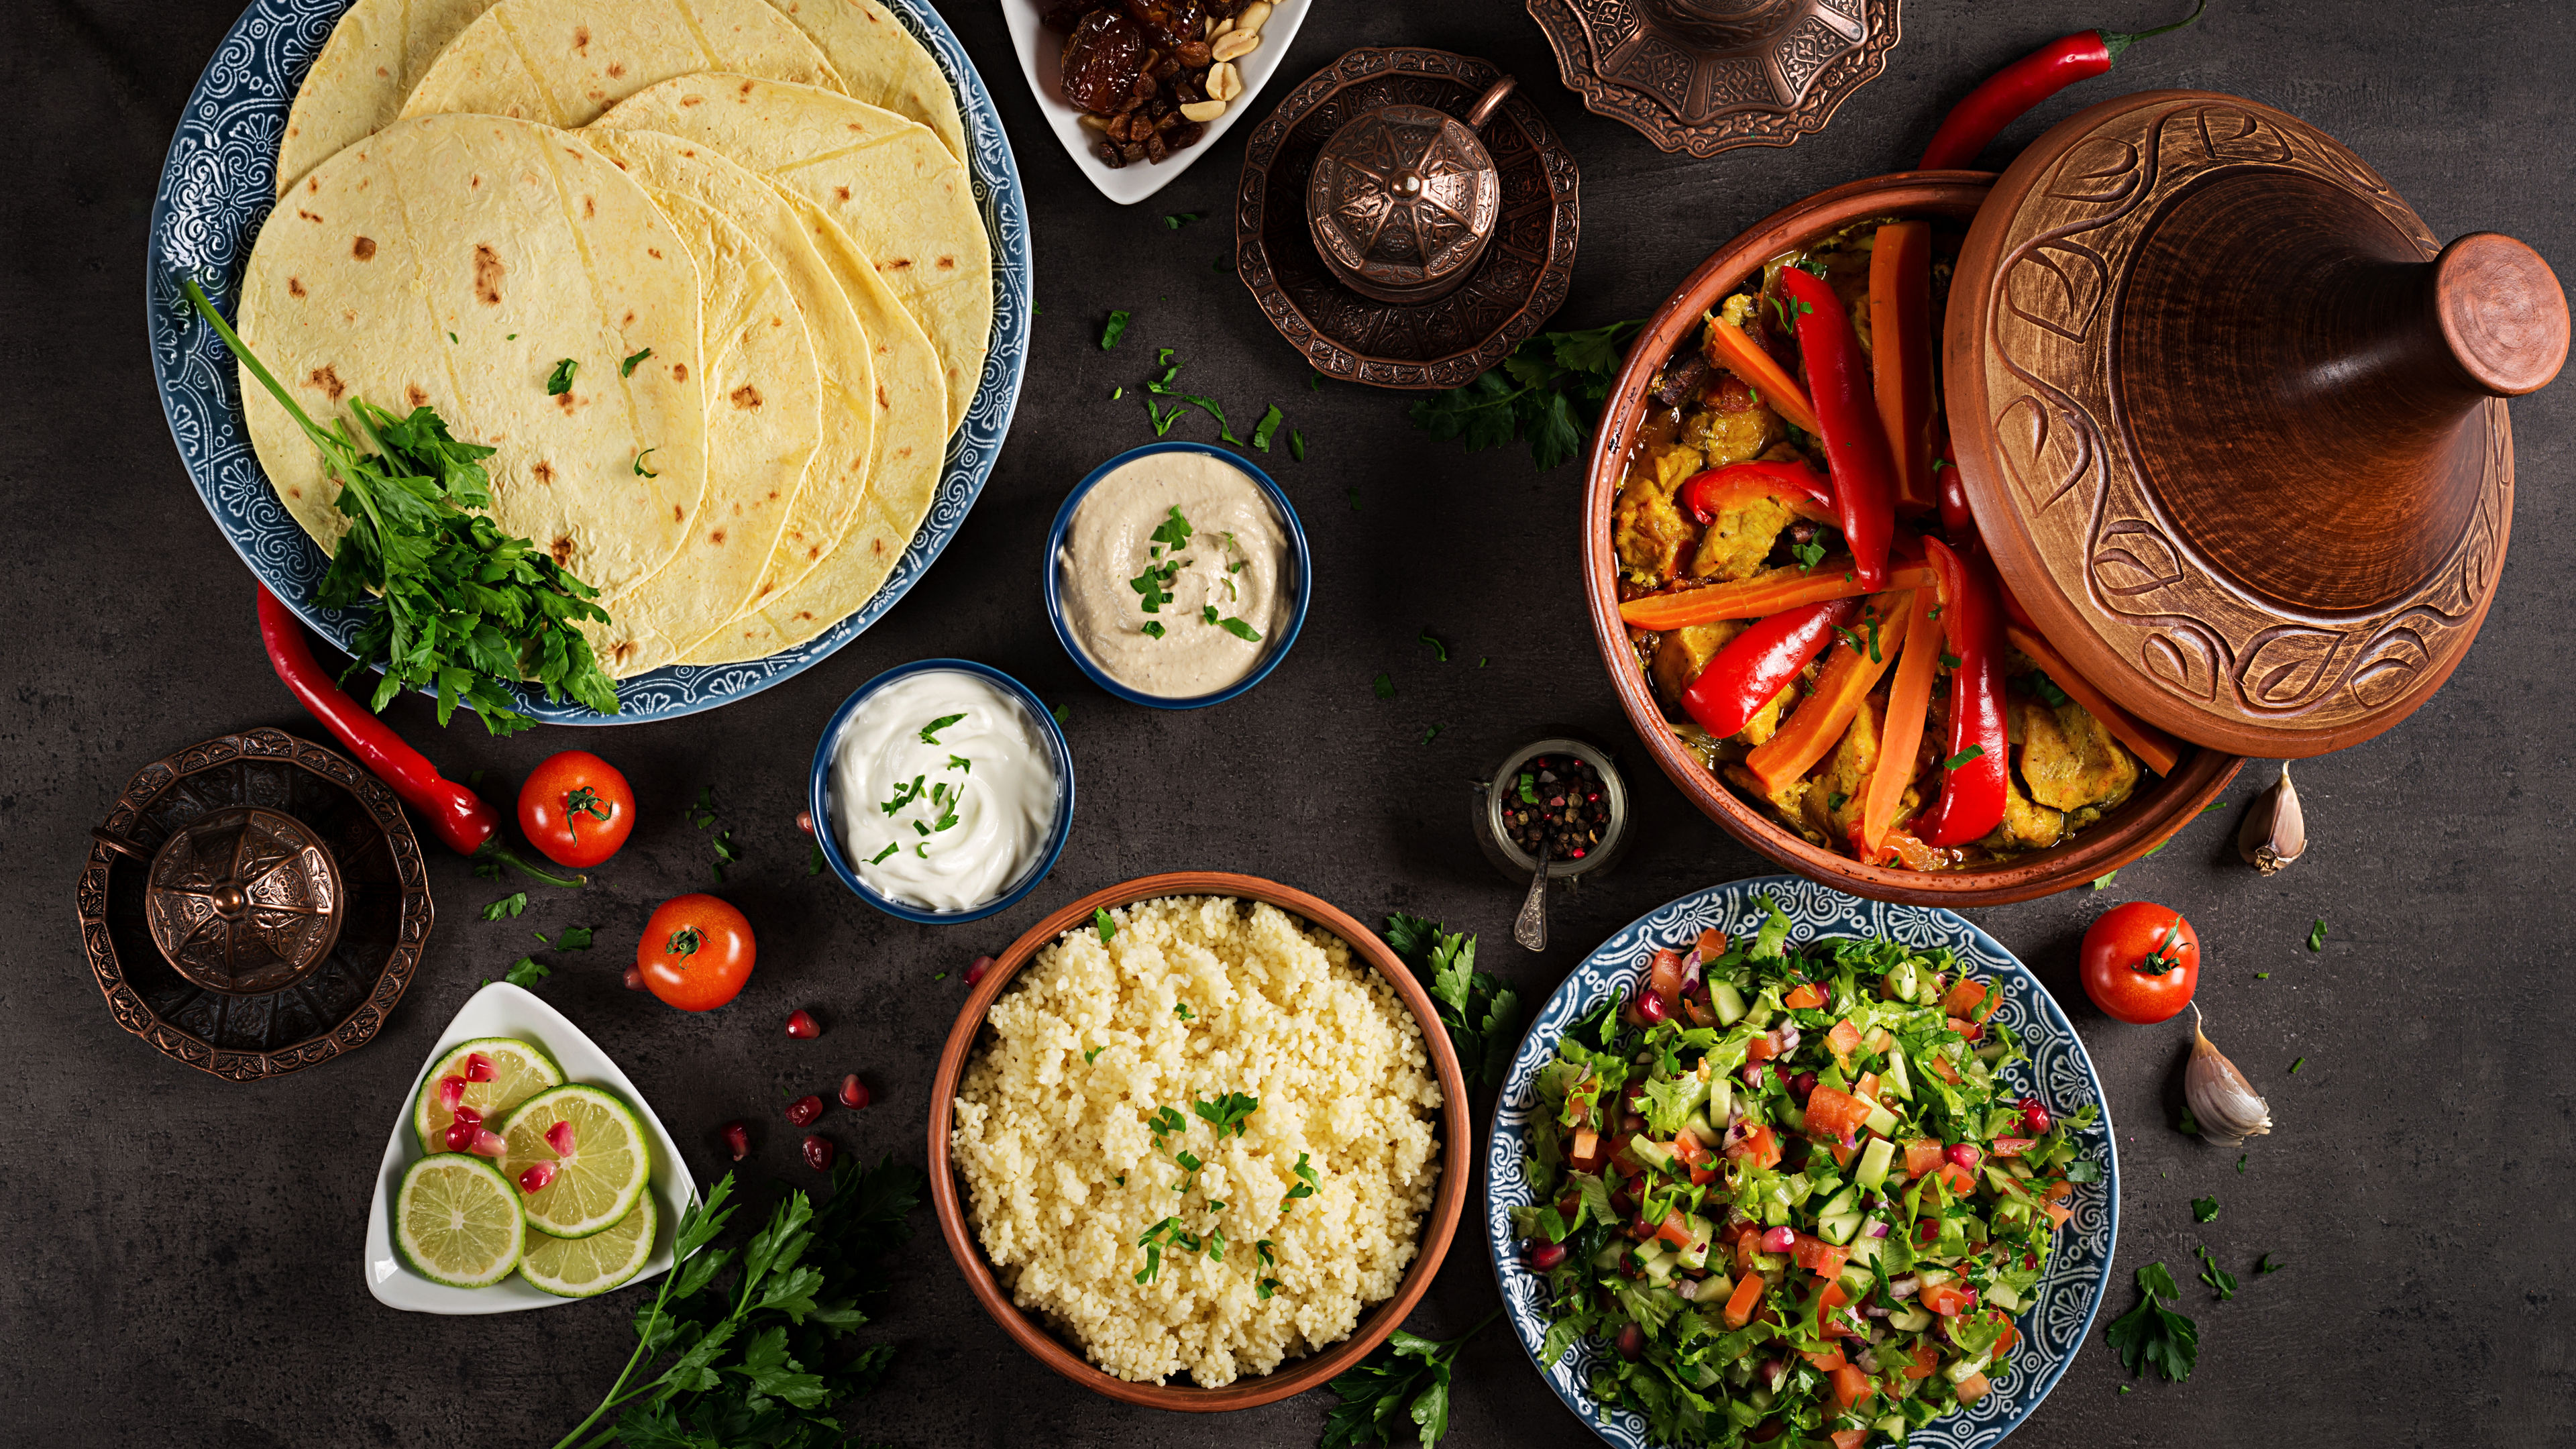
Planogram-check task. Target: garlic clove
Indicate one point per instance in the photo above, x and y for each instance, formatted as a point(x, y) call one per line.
point(2225, 1105)
point(2276, 829)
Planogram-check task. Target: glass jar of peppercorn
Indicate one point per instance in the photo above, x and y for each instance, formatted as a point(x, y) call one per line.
point(1564, 794)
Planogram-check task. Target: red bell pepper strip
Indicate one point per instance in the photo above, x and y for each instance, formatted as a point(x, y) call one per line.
point(1847, 416)
point(455, 814)
point(1975, 121)
point(1758, 663)
point(1804, 490)
point(1973, 782)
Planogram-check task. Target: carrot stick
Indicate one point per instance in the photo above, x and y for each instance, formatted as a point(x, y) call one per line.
point(1731, 349)
point(2144, 740)
point(1900, 338)
point(1909, 704)
point(1848, 677)
point(1763, 595)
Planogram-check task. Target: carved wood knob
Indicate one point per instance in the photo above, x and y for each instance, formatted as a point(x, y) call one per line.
point(2502, 312)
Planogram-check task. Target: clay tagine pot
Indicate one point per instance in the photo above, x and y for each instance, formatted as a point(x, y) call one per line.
point(2233, 423)
point(1403, 199)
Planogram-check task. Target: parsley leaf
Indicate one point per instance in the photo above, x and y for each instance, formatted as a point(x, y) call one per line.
point(930, 731)
point(1100, 922)
point(2317, 935)
point(570, 938)
point(2265, 1264)
point(2152, 1335)
point(1439, 651)
point(525, 972)
point(1268, 428)
point(1383, 686)
point(2220, 1281)
point(1227, 1114)
point(1546, 394)
point(559, 381)
point(1239, 629)
point(2204, 1209)
point(1297, 445)
point(1400, 1391)
point(1482, 1015)
point(627, 367)
point(509, 905)
point(1116, 329)
point(1093, 1054)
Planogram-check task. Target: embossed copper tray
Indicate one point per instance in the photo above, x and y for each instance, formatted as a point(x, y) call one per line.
point(335, 1004)
point(2233, 423)
point(1514, 287)
point(1702, 76)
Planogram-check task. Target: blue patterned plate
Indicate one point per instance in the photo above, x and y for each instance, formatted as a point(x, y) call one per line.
point(216, 189)
point(2059, 1073)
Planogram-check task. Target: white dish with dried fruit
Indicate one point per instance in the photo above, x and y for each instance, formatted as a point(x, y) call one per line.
point(1245, 41)
point(592, 1184)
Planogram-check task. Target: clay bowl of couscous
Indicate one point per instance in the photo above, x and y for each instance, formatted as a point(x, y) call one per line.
point(1209, 1150)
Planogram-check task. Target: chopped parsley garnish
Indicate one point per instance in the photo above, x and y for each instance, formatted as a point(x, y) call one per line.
point(882, 854)
point(1093, 1054)
point(1264, 430)
point(2266, 1265)
point(1174, 531)
point(1063, 714)
point(930, 731)
point(509, 905)
point(1106, 927)
point(1116, 329)
point(570, 938)
point(640, 470)
point(1307, 1182)
point(2220, 1281)
point(1432, 732)
point(1297, 445)
point(559, 381)
point(1182, 1010)
point(904, 795)
point(627, 368)
point(1835, 800)
point(1949, 660)
point(1808, 554)
point(525, 972)
point(1439, 651)
point(1972, 752)
point(1227, 1113)
point(1180, 219)
point(1150, 629)
point(2294, 1066)
point(2204, 1209)
point(1383, 686)
point(2317, 935)
point(1239, 629)
point(2055, 698)
point(1266, 1287)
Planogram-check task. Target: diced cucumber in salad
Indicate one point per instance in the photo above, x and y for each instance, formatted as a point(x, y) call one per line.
point(1790, 1188)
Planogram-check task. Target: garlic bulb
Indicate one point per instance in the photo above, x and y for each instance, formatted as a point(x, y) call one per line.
point(2225, 1105)
point(2276, 830)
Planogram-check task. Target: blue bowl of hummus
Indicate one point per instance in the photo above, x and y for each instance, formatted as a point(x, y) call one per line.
point(942, 791)
point(1177, 575)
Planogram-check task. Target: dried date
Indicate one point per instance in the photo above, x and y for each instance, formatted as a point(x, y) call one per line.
point(1104, 59)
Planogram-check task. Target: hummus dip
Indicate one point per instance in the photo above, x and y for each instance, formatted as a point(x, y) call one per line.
point(1170, 576)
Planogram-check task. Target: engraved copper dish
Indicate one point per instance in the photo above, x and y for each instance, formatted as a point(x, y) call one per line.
point(1702, 76)
point(253, 905)
point(2233, 423)
point(1403, 199)
point(1506, 293)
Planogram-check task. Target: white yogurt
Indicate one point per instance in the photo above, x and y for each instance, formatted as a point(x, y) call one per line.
point(1173, 574)
point(938, 812)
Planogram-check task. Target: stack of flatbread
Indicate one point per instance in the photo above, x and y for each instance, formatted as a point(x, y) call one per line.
point(708, 274)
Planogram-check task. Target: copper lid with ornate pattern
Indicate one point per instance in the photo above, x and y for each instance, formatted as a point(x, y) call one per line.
point(2233, 423)
point(1403, 199)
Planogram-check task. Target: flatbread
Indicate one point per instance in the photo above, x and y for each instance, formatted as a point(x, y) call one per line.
point(565, 61)
point(881, 63)
point(838, 480)
point(887, 180)
point(377, 52)
point(903, 472)
point(450, 262)
point(764, 420)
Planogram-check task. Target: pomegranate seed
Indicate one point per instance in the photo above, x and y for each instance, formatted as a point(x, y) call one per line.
point(738, 1140)
point(805, 821)
point(1641, 1230)
point(1632, 1123)
point(1802, 1086)
point(538, 1175)
point(634, 978)
point(804, 1110)
point(854, 1093)
point(451, 1090)
point(802, 1025)
point(468, 1116)
point(1964, 1155)
point(488, 1143)
point(1546, 1256)
point(478, 1067)
point(559, 1137)
point(976, 968)
point(460, 1136)
point(1578, 853)
point(1632, 1342)
point(2034, 1116)
point(1650, 1006)
point(818, 1152)
point(1779, 1240)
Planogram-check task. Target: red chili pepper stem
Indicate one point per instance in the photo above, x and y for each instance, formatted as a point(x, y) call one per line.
point(456, 815)
point(2009, 93)
point(2114, 42)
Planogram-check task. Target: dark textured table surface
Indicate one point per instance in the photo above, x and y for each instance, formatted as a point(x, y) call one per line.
point(182, 1258)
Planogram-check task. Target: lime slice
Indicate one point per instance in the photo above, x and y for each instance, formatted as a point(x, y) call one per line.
point(588, 1267)
point(457, 1221)
point(519, 1071)
point(594, 1185)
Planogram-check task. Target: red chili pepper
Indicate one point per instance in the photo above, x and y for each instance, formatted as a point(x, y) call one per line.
point(1847, 410)
point(1703, 494)
point(1973, 783)
point(455, 814)
point(1974, 122)
point(1758, 663)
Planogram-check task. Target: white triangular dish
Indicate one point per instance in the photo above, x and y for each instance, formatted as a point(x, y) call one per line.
point(501, 1009)
point(1040, 50)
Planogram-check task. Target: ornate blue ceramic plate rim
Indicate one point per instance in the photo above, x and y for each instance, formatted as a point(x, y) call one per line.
point(215, 191)
point(2068, 1297)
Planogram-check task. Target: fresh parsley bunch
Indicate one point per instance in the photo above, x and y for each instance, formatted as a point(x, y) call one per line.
point(463, 606)
point(1406, 1381)
point(1547, 392)
point(1481, 1013)
point(2152, 1335)
point(757, 1362)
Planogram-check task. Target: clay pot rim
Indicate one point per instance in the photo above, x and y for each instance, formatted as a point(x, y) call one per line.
point(2146, 821)
point(1439, 1224)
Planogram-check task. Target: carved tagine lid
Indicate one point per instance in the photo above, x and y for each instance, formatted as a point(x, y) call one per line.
point(1403, 199)
point(2234, 425)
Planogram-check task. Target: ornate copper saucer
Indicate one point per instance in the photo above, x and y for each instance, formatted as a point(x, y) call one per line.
point(1702, 76)
point(253, 904)
point(1520, 278)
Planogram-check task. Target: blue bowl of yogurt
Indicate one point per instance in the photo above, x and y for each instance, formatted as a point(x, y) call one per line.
point(1177, 575)
point(942, 791)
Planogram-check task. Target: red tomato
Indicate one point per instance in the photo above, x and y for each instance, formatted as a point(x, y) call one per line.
point(2141, 963)
point(696, 952)
point(576, 808)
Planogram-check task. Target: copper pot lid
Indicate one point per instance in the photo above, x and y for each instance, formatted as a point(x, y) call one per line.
point(1403, 199)
point(2233, 424)
point(1704, 76)
point(241, 901)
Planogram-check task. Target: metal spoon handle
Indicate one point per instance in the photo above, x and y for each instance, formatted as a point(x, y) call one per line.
point(1531, 927)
